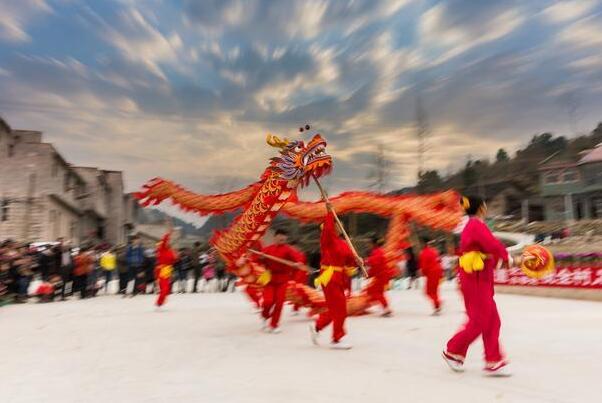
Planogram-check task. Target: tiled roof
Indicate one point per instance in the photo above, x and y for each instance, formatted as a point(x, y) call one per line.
point(594, 155)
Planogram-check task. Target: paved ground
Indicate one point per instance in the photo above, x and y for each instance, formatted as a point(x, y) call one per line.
point(208, 348)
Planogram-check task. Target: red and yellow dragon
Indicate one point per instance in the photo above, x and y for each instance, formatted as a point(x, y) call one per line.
point(276, 191)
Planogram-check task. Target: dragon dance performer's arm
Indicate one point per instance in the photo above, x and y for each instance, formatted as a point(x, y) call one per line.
point(488, 243)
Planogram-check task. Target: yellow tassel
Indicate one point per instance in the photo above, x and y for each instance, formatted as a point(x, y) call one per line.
point(472, 261)
point(350, 271)
point(265, 278)
point(324, 278)
point(165, 271)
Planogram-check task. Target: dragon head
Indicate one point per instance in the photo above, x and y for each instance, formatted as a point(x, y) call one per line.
point(299, 161)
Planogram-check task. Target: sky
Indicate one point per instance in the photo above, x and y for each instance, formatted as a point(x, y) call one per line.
point(188, 90)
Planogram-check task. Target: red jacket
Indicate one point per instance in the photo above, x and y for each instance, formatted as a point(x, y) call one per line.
point(335, 251)
point(429, 262)
point(300, 276)
point(281, 273)
point(378, 265)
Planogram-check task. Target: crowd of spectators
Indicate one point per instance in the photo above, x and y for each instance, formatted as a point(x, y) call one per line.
point(59, 271)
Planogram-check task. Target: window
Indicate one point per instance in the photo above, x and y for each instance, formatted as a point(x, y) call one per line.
point(11, 150)
point(570, 175)
point(552, 177)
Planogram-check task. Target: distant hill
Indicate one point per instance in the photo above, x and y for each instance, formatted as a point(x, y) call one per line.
point(154, 216)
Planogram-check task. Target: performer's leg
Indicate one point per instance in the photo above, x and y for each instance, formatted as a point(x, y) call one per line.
point(339, 314)
point(432, 285)
point(279, 296)
point(268, 301)
point(253, 295)
point(491, 334)
point(460, 342)
point(164, 286)
point(325, 318)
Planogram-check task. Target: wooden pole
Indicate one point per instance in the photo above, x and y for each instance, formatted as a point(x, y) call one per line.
point(358, 259)
point(283, 261)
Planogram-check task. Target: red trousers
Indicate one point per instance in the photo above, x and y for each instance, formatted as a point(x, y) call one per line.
point(164, 288)
point(273, 301)
point(336, 302)
point(432, 289)
point(376, 291)
point(300, 277)
point(483, 320)
point(254, 296)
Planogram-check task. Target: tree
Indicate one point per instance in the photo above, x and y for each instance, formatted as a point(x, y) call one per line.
point(501, 156)
point(429, 181)
point(470, 175)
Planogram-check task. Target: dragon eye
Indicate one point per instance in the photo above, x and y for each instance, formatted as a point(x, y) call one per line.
point(298, 149)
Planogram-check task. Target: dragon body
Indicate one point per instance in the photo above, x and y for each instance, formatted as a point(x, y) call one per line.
point(276, 191)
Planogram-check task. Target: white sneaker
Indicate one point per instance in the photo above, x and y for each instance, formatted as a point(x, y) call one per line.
point(265, 326)
point(455, 362)
point(275, 330)
point(314, 334)
point(499, 369)
point(340, 345)
point(295, 313)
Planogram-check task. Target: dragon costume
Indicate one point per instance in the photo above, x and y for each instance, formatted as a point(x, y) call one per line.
point(276, 191)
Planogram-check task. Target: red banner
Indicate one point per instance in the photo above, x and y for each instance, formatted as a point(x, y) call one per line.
point(574, 277)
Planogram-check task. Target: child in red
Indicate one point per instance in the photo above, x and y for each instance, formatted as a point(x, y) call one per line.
point(481, 252)
point(166, 257)
point(430, 265)
point(380, 274)
point(336, 257)
point(274, 292)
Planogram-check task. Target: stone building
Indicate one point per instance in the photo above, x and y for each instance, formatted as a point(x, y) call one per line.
point(43, 197)
point(572, 187)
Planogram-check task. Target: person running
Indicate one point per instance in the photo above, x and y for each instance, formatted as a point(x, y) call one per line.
point(380, 274)
point(481, 252)
point(278, 276)
point(336, 258)
point(166, 258)
point(430, 265)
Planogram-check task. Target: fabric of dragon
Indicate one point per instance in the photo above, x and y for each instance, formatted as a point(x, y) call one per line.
point(276, 192)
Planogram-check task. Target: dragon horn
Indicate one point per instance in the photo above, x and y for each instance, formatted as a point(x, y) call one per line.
point(276, 141)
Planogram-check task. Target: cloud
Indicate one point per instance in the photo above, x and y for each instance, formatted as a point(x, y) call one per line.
point(187, 90)
point(452, 28)
point(567, 10)
point(16, 14)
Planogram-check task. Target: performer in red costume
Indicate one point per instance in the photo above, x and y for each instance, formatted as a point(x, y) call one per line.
point(166, 257)
point(274, 292)
point(481, 252)
point(300, 276)
point(430, 265)
point(253, 291)
point(336, 258)
point(380, 274)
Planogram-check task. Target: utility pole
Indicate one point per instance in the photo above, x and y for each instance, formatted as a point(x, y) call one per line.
point(31, 187)
point(422, 131)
